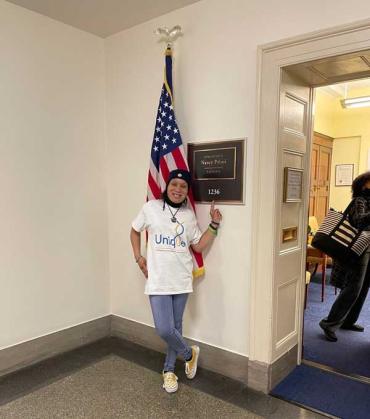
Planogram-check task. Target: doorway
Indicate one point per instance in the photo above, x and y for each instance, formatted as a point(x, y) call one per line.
point(339, 153)
point(278, 266)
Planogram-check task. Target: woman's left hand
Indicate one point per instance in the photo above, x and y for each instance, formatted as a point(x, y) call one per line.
point(215, 213)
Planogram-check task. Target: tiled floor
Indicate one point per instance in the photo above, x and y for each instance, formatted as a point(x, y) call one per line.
point(117, 379)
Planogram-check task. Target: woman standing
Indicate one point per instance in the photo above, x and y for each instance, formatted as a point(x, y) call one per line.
point(353, 280)
point(172, 229)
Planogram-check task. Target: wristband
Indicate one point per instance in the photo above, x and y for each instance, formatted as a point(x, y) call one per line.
point(212, 230)
point(215, 222)
point(138, 258)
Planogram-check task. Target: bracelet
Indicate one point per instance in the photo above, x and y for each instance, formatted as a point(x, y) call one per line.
point(212, 230)
point(138, 258)
point(215, 222)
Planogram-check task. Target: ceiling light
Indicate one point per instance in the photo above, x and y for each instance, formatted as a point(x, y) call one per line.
point(356, 102)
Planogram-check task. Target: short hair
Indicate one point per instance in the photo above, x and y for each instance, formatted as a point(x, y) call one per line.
point(358, 184)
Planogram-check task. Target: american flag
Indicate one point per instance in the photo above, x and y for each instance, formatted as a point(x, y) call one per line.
point(167, 152)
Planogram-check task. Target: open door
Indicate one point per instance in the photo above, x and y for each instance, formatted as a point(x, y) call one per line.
point(295, 124)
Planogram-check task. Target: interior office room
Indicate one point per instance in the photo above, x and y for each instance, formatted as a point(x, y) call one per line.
point(80, 85)
point(340, 143)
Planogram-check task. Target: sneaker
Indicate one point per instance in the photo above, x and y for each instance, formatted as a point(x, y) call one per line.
point(191, 366)
point(353, 327)
point(170, 382)
point(330, 334)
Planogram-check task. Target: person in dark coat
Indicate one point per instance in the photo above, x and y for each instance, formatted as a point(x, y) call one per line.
point(353, 280)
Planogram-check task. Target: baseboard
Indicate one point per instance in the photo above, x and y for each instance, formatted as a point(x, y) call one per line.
point(212, 358)
point(283, 366)
point(35, 350)
point(264, 377)
point(256, 375)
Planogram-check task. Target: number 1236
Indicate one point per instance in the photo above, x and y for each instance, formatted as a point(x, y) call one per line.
point(215, 191)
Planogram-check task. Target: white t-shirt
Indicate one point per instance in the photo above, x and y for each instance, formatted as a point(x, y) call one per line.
point(169, 260)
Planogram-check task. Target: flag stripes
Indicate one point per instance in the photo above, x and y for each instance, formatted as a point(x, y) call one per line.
point(167, 152)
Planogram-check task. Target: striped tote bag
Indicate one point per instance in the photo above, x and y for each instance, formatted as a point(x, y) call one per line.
point(339, 239)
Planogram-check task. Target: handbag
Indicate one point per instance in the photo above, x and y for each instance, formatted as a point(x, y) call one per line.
point(339, 239)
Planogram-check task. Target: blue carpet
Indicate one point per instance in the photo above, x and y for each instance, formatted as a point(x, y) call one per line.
point(351, 353)
point(327, 392)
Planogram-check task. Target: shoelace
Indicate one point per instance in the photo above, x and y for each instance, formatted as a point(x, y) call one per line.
point(170, 378)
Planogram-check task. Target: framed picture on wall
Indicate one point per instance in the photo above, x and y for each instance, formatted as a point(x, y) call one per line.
point(293, 180)
point(344, 174)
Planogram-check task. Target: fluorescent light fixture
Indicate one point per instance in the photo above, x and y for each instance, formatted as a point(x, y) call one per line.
point(356, 102)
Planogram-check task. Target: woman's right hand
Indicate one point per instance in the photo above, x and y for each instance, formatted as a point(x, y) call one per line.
point(142, 265)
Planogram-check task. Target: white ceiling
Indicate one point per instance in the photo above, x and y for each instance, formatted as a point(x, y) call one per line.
point(342, 90)
point(103, 17)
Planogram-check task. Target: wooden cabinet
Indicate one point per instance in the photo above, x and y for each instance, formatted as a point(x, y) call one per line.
point(320, 176)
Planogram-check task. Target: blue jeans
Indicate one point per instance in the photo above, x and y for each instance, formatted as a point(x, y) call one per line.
point(167, 314)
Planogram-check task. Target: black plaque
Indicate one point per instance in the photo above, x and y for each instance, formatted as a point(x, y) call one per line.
point(217, 170)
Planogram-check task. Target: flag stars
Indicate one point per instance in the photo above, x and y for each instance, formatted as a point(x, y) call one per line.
point(166, 137)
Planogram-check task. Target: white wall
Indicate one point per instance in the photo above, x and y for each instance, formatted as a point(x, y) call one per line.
point(215, 98)
point(351, 131)
point(346, 150)
point(54, 270)
point(53, 215)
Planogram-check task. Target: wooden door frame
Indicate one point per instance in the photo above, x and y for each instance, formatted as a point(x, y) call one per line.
point(272, 58)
